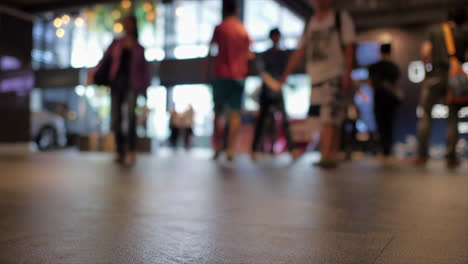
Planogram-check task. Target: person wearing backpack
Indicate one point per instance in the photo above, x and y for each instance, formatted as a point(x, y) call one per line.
point(434, 51)
point(328, 46)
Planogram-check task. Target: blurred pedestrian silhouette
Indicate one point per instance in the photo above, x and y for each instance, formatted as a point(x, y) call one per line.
point(181, 126)
point(126, 70)
point(435, 87)
point(383, 77)
point(271, 65)
point(328, 46)
point(230, 70)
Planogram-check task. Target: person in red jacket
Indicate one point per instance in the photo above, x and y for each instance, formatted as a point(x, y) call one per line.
point(230, 69)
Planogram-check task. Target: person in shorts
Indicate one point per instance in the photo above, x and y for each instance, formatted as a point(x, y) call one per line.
point(230, 71)
point(328, 46)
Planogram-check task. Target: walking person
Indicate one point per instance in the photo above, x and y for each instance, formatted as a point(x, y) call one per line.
point(174, 127)
point(127, 73)
point(271, 65)
point(187, 119)
point(230, 69)
point(383, 78)
point(435, 87)
point(327, 45)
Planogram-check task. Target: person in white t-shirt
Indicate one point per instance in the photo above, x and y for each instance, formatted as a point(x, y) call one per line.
point(328, 47)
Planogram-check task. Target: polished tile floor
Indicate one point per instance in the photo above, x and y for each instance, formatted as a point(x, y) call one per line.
point(69, 207)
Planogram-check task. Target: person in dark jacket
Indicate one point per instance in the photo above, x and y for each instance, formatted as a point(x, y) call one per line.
point(129, 77)
point(271, 65)
point(383, 77)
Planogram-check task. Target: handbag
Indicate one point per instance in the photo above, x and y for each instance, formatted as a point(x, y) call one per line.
point(457, 93)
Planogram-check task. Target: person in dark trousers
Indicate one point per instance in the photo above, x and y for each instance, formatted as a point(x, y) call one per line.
point(271, 65)
point(174, 124)
point(434, 51)
point(129, 77)
point(383, 77)
point(349, 132)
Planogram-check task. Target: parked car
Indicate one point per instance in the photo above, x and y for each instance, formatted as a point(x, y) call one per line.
point(48, 130)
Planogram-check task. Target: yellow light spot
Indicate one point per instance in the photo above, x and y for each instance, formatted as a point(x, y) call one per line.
point(147, 7)
point(60, 32)
point(116, 14)
point(65, 19)
point(150, 16)
point(118, 27)
point(57, 22)
point(126, 4)
point(79, 22)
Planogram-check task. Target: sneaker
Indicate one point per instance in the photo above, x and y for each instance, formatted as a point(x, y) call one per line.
point(452, 163)
point(417, 162)
point(326, 164)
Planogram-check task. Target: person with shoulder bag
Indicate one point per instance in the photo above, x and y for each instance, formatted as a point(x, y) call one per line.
point(444, 48)
point(125, 69)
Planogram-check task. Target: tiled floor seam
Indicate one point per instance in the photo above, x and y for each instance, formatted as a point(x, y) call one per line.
point(383, 249)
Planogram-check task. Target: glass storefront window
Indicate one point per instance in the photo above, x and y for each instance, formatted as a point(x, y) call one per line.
point(187, 20)
point(83, 40)
point(263, 15)
point(195, 22)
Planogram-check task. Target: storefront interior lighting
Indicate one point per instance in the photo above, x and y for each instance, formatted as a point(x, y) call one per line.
point(147, 7)
point(79, 22)
point(58, 22)
point(65, 19)
point(126, 4)
point(118, 28)
point(385, 38)
point(150, 16)
point(60, 32)
point(80, 90)
point(179, 11)
point(116, 14)
point(90, 92)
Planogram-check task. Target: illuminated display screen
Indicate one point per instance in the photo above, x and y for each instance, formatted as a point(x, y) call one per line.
point(367, 53)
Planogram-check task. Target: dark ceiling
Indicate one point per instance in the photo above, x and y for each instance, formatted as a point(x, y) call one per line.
point(386, 13)
point(367, 13)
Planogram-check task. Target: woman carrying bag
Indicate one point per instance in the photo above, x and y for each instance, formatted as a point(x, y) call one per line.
point(125, 69)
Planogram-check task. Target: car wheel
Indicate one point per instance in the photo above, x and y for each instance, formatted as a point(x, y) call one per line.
point(47, 139)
